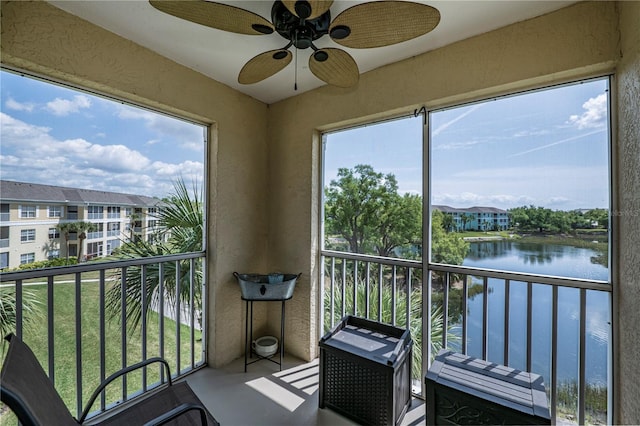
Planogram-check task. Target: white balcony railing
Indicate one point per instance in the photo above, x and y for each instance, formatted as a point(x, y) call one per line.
point(557, 327)
point(78, 320)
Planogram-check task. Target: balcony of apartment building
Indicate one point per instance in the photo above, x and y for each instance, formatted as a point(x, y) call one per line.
point(263, 191)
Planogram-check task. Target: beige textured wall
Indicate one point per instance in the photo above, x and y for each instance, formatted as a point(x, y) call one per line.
point(42, 39)
point(572, 42)
point(627, 391)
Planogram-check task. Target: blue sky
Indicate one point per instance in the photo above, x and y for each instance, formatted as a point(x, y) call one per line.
point(53, 135)
point(547, 148)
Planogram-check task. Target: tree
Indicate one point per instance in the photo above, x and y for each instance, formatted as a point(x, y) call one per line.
point(9, 311)
point(81, 228)
point(447, 222)
point(181, 222)
point(364, 207)
point(65, 229)
point(465, 218)
point(447, 248)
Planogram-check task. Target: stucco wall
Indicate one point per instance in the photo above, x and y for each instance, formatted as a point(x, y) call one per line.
point(572, 42)
point(42, 39)
point(627, 390)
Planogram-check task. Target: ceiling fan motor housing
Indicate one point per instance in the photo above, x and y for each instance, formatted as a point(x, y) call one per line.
point(299, 31)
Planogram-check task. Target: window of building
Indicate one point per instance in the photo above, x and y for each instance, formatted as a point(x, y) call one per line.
point(98, 231)
point(53, 254)
point(54, 211)
point(27, 258)
point(5, 213)
point(4, 260)
point(95, 212)
point(72, 212)
point(94, 250)
point(113, 212)
point(113, 229)
point(28, 212)
point(27, 235)
point(112, 245)
point(54, 233)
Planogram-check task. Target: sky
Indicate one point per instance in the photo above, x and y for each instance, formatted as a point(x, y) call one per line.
point(545, 148)
point(54, 135)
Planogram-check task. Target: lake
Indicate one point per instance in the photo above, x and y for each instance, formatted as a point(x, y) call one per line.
point(546, 259)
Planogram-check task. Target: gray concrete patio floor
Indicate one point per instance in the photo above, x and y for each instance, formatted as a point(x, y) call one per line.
point(266, 396)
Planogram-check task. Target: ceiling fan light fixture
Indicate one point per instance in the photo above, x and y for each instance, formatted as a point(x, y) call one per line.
point(280, 54)
point(262, 29)
point(320, 55)
point(303, 9)
point(339, 32)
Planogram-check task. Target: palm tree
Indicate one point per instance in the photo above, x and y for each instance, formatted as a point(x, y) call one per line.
point(180, 218)
point(465, 218)
point(65, 229)
point(387, 298)
point(8, 309)
point(82, 228)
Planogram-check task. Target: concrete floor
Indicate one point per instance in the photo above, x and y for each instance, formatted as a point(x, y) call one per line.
point(266, 396)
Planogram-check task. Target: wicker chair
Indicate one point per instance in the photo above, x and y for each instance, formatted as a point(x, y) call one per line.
point(27, 390)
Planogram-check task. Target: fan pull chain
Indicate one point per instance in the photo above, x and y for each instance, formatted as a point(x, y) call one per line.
point(295, 83)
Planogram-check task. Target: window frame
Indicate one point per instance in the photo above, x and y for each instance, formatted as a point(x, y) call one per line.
point(28, 235)
point(427, 206)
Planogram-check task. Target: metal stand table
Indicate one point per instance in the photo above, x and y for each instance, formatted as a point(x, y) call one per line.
point(248, 332)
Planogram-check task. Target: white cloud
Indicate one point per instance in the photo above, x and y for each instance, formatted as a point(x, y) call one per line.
point(31, 150)
point(595, 115)
point(63, 107)
point(186, 135)
point(19, 106)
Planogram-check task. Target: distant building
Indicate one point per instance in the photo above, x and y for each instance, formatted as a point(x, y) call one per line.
point(30, 214)
point(477, 218)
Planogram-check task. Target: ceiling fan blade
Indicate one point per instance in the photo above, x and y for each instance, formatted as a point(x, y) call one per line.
point(216, 15)
point(382, 23)
point(264, 65)
point(315, 8)
point(335, 67)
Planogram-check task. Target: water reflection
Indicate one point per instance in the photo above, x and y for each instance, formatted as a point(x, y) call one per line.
point(538, 258)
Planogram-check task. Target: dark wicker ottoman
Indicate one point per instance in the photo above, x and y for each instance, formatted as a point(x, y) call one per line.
point(462, 390)
point(365, 371)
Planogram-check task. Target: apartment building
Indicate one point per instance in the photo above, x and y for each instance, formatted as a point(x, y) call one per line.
point(30, 214)
point(477, 218)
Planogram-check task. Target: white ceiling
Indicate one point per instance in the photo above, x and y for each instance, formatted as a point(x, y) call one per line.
point(220, 55)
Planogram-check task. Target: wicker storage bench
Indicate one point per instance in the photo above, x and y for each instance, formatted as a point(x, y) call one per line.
point(365, 371)
point(466, 390)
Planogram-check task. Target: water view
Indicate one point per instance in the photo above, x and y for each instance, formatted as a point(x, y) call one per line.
point(543, 259)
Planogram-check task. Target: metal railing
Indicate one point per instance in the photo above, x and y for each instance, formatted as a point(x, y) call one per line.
point(79, 321)
point(557, 327)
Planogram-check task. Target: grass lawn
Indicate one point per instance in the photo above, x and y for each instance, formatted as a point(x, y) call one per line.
point(35, 335)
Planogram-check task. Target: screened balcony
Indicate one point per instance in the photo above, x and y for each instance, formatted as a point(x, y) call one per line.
point(263, 181)
point(69, 317)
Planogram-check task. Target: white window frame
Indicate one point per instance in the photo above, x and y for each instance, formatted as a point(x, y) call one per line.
point(27, 258)
point(54, 211)
point(27, 235)
point(28, 212)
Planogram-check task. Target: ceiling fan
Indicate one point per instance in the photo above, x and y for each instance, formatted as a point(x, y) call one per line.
point(301, 22)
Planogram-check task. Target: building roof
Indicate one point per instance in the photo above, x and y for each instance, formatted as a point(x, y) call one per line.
point(34, 192)
point(475, 209)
